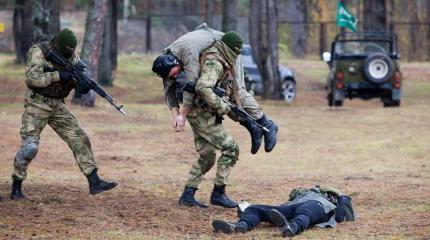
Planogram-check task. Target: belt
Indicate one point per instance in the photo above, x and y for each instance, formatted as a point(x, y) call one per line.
point(44, 98)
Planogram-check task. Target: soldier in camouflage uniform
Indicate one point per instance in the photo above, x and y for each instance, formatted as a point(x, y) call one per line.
point(205, 119)
point(183, 55)
point(48, 85)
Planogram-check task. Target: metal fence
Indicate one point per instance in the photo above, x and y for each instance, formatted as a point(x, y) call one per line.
point(154, 32)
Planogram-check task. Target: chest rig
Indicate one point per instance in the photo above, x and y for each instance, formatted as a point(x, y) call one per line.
point(225, 81)
point(58, 89)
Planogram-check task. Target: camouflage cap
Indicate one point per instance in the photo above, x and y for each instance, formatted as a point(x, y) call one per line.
point(66, 42)
point(233, 40)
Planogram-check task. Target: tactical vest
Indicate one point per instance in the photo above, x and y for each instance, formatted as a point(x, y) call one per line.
point(225, 81)
point(329, 193)
point(58, 89)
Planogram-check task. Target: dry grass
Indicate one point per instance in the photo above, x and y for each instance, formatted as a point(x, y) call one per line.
point(379, 156)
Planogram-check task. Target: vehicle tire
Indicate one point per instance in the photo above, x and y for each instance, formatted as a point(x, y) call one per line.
point(338, 103)
point(378, 68)
point(330, 99)
point(288, 90)
point(391, 103)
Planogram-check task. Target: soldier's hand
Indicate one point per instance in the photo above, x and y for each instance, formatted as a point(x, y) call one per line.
point(180, 123)
point(65, 76)
point(223, 109)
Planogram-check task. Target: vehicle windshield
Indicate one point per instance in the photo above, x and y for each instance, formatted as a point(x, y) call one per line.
point(362, 47)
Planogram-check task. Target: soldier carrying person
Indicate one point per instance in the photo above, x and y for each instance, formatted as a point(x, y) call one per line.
point(211, 59)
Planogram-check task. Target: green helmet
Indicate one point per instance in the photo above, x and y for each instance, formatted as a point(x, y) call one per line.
point(66, 42)
point(233, 40)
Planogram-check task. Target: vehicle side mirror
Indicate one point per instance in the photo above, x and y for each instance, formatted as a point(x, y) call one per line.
point(326, 57)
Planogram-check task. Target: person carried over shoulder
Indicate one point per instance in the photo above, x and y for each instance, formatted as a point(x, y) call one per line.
point(318, 206)
point(184, 55)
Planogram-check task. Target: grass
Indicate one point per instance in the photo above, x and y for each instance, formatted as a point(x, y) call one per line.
point(377, 155)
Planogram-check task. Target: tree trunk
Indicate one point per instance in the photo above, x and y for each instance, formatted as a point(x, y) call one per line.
point(229, 15)
point(374, 15)
point(428, 30)
point(413, 30)
point(255, 29)
point(46, 20)
point(92, 46)
point(22, 29)
point(114, 29)
point(298, 12)
point(209, 13)
point(263, 26)
point(108, 53)
point(271, 75)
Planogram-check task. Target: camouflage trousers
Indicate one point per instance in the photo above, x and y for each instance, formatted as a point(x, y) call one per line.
point(209, 137)
point(40, 111)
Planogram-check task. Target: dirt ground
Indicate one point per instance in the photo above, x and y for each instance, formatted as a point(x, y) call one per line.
point(379, 156)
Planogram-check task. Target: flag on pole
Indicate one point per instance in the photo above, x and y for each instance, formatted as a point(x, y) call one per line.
point(345, 18)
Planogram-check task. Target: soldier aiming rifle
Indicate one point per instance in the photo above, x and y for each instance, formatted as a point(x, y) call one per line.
point(52, 70)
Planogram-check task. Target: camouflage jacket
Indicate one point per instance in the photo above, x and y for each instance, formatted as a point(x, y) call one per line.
point(43, 77)
point(217, 69)
point(187, 49)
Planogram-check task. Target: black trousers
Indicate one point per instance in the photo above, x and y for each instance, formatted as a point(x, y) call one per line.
point(304, 214)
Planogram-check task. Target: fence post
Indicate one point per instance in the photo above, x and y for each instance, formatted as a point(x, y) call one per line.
point(148, 34)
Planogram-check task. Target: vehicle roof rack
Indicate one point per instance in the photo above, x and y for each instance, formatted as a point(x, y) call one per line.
point(378, 36)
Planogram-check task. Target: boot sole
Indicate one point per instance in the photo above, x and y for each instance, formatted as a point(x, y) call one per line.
point(266, 149)
point(224, 206)
point(107, 188)
point(222, 226)
point(18, 198)
point(185, 204)
point(279, 220)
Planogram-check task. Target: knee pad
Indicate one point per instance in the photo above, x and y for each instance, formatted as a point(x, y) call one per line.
point(234, 149)
point(29, 151)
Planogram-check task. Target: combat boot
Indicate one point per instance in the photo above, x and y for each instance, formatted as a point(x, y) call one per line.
point(288, 229)
point(16, 192)
point(187, 198)
point(219, 198)
point(228, 227)
point(269, 137)
point(98, 185)
point(256, 135)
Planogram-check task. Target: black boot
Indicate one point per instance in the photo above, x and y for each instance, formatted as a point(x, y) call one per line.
point(187, 198)
point(256, 135)
point(269, 137)
point(16, 192)
point(98, 185)
point(228, 227)
point(219, 198)
point(288, 229)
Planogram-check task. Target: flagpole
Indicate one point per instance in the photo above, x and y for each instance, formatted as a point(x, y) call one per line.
point(342, 29)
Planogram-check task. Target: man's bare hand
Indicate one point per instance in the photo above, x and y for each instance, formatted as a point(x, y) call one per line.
point(179, 123)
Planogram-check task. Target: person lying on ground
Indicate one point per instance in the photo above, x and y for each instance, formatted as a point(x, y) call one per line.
point(318, 206)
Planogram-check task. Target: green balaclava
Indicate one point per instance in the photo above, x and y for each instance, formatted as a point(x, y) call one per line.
point(66, 42)
point(233, 40)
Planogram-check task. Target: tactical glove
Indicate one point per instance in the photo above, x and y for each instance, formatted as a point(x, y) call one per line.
point(65, 76)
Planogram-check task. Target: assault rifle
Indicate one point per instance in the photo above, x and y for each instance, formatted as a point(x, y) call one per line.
point(78, 72)
point(190, 86)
